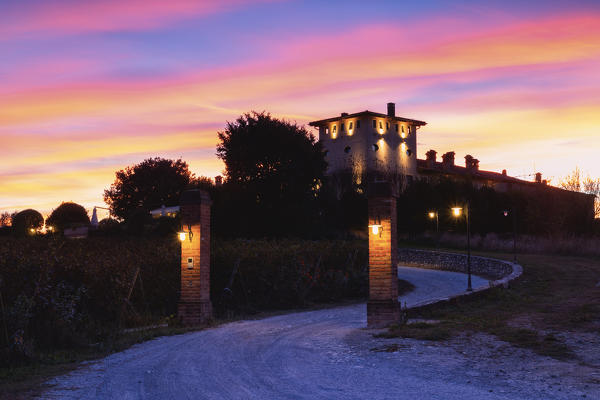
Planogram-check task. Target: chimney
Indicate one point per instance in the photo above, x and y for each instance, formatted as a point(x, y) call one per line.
point(448, 159)
point(538, 177)
point(471, 163)
point(504, 172)
point(344, 114)
point(218, 180)
point(391, 109)
point(431, 156)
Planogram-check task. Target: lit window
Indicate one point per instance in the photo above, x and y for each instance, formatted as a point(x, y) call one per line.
point(334, 128)
point(380, 125)
point(327, 131)
point(402, 128)
point(347, 149)
point(350, 126)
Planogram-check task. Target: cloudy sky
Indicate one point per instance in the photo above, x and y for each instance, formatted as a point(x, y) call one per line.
point(90, 87)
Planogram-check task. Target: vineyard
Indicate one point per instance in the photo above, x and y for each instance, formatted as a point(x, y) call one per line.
point(59, 294)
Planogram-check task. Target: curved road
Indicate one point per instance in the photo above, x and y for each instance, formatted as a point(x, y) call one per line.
point(324, 354)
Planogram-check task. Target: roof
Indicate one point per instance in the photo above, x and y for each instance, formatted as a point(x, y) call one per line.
point(458, 170)
point(438, 167)
point(366, 113)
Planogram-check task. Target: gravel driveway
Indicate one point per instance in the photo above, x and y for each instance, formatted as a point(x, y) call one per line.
point(325, 354)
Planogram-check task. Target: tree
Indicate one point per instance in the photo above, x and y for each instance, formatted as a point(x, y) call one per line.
point(274, 169)
point(575, 183)
point(68, 215)
point(6, 219)
point(148, 185)
point(26, 220)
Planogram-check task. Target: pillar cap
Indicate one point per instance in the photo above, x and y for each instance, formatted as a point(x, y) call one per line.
point(194, 196)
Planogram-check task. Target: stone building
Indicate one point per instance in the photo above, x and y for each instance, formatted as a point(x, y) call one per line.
point(374, 144)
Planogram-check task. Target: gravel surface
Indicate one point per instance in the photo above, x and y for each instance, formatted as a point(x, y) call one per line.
point(327, 354)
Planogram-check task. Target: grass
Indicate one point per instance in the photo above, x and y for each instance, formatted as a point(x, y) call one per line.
point(555, 294)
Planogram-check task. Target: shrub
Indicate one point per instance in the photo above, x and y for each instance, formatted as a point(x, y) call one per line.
point(26, 220)
point(68, 215)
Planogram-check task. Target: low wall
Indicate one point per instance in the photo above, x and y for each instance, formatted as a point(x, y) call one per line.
point(499, 272)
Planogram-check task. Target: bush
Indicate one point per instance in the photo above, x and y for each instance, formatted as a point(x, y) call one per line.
point(61, 293)
point(68, 215)
point(26, 220)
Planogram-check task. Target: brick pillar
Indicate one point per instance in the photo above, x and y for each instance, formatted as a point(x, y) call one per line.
point(382, 307)
point(194, 306)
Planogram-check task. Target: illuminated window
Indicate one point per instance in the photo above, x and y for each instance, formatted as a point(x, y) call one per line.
point(334, 128)
point(350, 126)
point(380, 125)
point(327, 131)
point(402, 128)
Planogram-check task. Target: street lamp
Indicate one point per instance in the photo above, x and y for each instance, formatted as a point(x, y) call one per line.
point(432, 215)
point(456, 212)
point(514, 223)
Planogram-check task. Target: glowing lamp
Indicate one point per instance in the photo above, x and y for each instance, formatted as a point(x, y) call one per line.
point(32, 230)
point(506, 213)
point(431, 215)
point(182, 234)
point(49, 228)
point(456, 211)
point(376, 227)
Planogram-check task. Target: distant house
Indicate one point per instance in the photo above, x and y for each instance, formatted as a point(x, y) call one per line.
point(80, 232)
point(165, 212)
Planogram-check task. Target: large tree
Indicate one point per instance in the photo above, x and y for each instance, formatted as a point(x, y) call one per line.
point(148, 185)
point(274, 169)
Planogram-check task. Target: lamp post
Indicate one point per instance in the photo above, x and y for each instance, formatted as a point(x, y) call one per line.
point(514, 224)
point(457, 211)
point(435, 214)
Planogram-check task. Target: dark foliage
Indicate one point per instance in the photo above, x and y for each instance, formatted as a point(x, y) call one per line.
point(26, 220)
point(145, 186)
point(274, 170)
point(68, 293)
point(68, 215)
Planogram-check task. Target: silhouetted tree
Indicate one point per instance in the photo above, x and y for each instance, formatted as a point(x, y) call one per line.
point(274, 169)
point(148, 185)
point(26, 220)
point(6, 219)
point(68, 215)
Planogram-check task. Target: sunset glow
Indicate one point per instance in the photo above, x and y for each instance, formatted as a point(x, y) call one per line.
point(88, 88)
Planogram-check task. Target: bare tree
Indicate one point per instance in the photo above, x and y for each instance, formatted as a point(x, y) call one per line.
point(6, 219)
point(576, 183)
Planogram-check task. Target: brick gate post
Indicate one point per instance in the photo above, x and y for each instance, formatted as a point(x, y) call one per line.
point(194, 303)
point(382, 307)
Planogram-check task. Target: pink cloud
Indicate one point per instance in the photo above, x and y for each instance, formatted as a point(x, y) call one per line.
point(109, 15)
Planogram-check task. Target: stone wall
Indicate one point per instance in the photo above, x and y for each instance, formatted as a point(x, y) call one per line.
point(499, 272)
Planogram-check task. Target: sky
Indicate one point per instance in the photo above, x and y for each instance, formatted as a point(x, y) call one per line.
point(90, 87)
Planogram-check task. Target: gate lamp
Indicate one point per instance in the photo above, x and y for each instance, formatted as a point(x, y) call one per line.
point(376, 227)
point(182, 234)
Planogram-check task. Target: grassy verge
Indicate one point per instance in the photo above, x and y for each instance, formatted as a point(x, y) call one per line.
point(555, 294)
